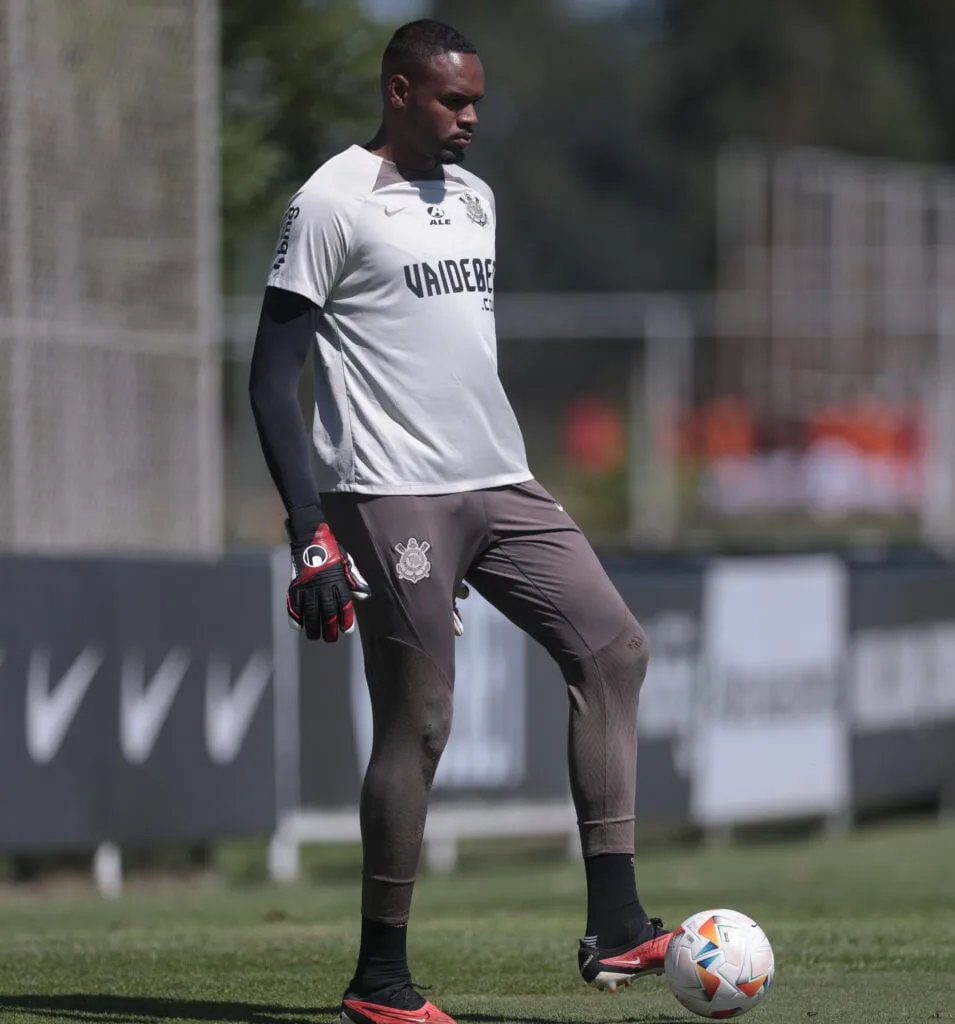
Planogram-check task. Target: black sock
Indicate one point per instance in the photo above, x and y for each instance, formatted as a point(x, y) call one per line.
point(614, 913)
point(382, 971)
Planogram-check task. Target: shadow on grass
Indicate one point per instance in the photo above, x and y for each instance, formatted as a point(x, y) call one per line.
point(109, 1009)
point(487, 1018)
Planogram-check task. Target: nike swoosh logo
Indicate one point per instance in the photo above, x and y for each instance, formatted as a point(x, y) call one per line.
point(144, 706)
point(231, 708)
point(51, 708)
point(391, 211)
point(621, 961)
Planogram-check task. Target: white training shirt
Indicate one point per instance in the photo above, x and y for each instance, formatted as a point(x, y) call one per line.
point(407, 395)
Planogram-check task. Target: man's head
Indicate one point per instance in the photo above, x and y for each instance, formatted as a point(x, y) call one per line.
point(431, 79)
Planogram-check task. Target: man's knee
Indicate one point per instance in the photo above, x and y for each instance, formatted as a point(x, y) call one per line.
point(412, 700)
point(622, 663)
point(627, 656)
point(432, 704)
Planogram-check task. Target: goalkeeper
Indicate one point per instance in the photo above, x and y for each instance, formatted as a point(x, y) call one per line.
point(385, 270)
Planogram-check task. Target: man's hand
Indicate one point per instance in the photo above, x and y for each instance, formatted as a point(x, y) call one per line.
point(326, 584)
point(459, 595)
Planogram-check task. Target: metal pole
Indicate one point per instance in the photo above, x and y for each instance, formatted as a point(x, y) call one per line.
point(938, 502)
point(208, 279)
point(660, 390)
point(19, 260)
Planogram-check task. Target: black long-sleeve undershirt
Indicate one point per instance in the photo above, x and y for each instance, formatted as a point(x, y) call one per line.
point(282, 344)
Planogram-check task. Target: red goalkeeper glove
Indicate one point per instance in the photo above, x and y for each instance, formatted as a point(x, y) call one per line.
point(326, 584)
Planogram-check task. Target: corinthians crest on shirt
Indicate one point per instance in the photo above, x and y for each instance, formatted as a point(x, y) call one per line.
point(413, 564)
point(474, 208)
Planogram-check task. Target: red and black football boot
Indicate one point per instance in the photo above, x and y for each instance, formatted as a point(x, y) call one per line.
point(617, 968)
point(394, 1010)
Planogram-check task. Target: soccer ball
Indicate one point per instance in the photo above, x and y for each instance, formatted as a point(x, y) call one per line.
point(719, 963)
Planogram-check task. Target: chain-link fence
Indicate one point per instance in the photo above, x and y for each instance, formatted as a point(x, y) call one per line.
point(110, 423)
point(830, 390)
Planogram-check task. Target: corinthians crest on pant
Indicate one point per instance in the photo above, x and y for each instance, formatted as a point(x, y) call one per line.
point(413, 564)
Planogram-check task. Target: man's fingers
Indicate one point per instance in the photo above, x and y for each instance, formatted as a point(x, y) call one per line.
point(330, 629)
point(322, 604)
point(294, 615)
point(330, 613)
point(461, 592)
point(330, 617)
point(346, 618)
point(311, 615)
point(359, 585)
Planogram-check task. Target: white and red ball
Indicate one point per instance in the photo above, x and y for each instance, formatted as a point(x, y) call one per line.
point(719, 963)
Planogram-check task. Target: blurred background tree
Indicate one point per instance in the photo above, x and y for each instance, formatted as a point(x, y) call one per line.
point(299, 81)
point(923, 34)
point(599, 132)
point(601, 151)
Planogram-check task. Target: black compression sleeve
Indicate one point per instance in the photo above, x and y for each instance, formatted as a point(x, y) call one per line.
point(281, 348)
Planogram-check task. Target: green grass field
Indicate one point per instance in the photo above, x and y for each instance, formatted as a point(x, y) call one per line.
point(863, 928)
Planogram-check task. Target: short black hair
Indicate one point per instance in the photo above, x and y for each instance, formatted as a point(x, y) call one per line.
point(415, 43)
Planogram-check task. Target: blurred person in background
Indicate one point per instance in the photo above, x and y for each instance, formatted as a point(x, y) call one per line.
point(385, 269)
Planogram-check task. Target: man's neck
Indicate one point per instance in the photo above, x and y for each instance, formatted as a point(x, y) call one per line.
point(385, 146)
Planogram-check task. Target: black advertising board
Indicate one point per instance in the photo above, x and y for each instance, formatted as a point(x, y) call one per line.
point(135, 701)
point(900, 697)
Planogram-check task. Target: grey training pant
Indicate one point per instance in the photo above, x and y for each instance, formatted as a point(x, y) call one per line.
point(522, 552)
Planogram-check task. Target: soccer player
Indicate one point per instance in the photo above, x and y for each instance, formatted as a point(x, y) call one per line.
point(385, 268)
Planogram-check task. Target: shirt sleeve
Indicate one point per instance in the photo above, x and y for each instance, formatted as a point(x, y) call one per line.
point(312, 246)
point(282, 343)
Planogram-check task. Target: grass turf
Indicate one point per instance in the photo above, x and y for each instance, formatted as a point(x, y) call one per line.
point(863, 928)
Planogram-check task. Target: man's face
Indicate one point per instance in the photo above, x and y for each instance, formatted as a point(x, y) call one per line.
point(439, 105)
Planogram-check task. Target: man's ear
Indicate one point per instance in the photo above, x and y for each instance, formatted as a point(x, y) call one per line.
point(396, 91)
